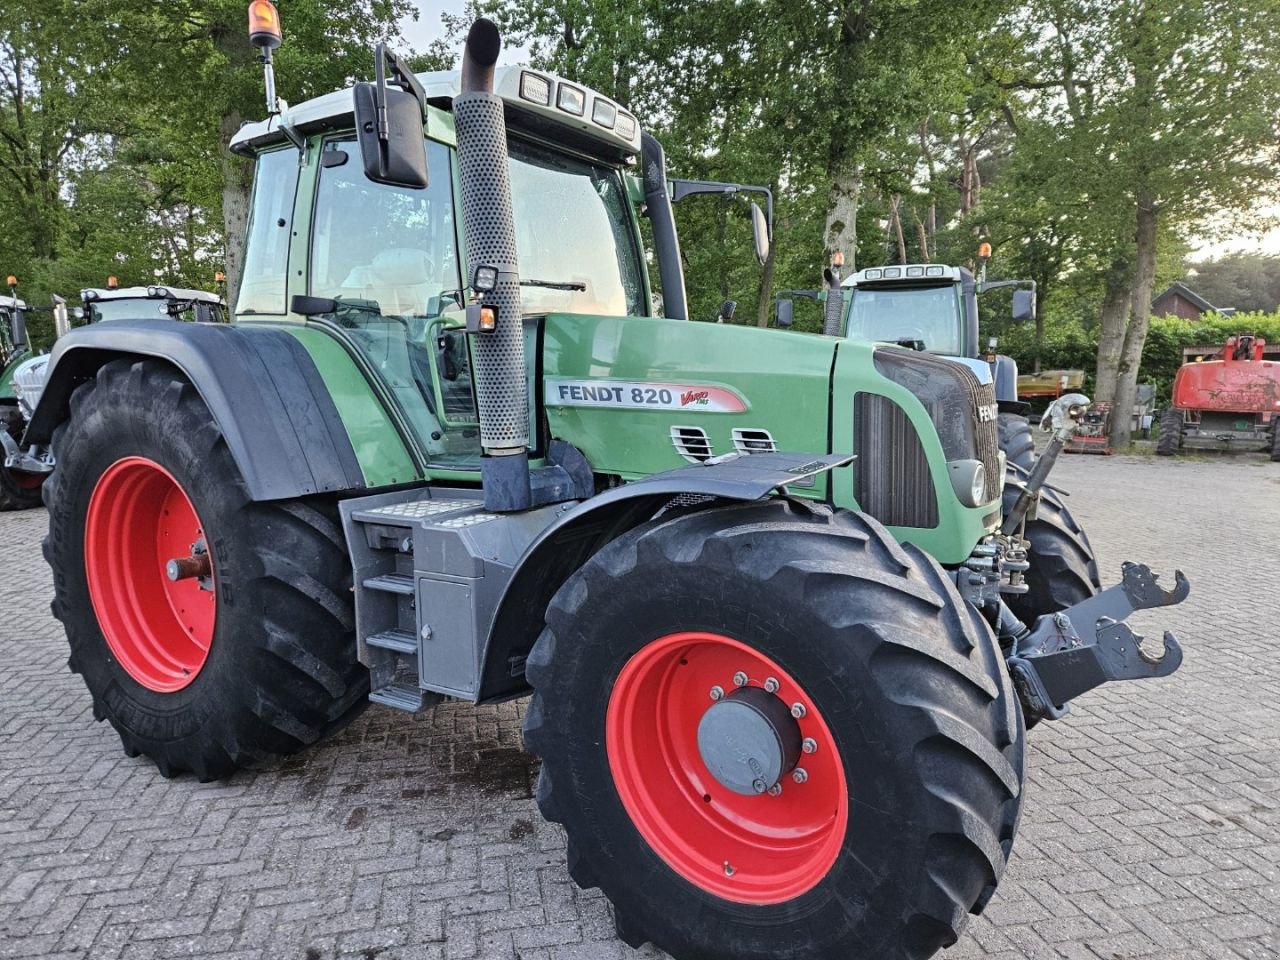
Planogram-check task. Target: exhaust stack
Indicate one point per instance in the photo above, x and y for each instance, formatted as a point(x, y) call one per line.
point(502, 393)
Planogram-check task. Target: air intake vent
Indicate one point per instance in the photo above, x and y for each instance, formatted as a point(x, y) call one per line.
point(750, 440)
point(691, 443)
point(891, 478)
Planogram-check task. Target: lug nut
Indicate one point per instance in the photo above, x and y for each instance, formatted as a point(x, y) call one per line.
point(728, 869)
point(739, 679)
point(799, 775)
point(717, 692)
point(758, 786)
point(771, 685)
point(809, 745)
point(798, 710)
point(775, 790)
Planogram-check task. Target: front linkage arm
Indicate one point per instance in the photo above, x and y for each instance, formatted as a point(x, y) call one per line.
point(1088, 644)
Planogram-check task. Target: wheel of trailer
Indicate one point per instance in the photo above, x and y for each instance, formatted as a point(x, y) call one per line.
point(1016, 440)
point(18, 490)
point(771, 731)
point(1063, 570)
point(1275, 436)
point(1171, 425)
point(211, 631)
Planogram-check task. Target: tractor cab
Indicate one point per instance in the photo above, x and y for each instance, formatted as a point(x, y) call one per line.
point(13, 330)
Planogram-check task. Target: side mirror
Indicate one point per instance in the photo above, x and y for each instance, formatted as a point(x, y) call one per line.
point(760, 230)
point(389, 124)
point(78, 313)
point(727, 310)
point(1024, 305)
point(786, 313)
point(312, 306)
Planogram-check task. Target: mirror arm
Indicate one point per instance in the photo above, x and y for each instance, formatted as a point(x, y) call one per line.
point(997, 284)
point(688, 188)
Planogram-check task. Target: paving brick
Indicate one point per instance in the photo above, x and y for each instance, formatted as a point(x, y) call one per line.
point(1151, 827)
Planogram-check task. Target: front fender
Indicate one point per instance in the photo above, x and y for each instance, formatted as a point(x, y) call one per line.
point(258, 381)
point(579, 533)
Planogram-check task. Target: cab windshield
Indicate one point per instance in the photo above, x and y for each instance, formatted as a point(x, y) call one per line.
point(390, 257)
point(924, 314)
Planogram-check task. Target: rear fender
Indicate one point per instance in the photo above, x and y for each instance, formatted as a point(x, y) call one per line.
point(581, 532)
point(259, 383)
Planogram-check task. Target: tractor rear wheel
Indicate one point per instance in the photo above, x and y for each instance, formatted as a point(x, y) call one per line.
point(249, 654)
point(1016, 440)
point(770, 730)
point(1170, 440)
point(1063, 570)
point(18, 491)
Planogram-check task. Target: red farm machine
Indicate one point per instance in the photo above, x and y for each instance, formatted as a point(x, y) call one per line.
point(1230, 402)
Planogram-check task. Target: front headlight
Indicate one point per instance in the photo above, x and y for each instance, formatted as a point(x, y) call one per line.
point(969, 480)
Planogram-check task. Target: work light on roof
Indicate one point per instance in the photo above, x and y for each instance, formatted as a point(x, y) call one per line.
point(915, 271)
point(892, 273)
point(626, 126)
point(933, 271)
point(604, 113)
point(571, 99)
point(873, 274)
point(535, 88)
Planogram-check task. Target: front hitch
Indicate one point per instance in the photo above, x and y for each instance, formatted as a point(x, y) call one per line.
point(1068, 653)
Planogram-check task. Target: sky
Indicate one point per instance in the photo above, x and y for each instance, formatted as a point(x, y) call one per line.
point(427, 28)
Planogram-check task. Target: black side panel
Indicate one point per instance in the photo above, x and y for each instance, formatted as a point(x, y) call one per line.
point(259, 383)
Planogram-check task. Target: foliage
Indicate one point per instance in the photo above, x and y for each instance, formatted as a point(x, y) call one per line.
point(1248, 282)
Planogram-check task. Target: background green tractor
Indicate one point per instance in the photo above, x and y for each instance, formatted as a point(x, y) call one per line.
point(753, 581)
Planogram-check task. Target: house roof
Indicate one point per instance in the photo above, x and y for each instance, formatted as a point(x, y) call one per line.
point(1186, 293)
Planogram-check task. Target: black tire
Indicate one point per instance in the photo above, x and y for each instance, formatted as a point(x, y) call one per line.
point(1275, 437)
point(1016, 440)
point(1063, 570)
point(281, 672)
point(1170, 440)
point(908, 678)
point(17, 491)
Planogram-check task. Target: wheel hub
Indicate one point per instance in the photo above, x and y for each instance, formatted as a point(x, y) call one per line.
point(749, 741)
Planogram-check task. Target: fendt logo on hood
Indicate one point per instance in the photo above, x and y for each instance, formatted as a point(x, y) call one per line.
point(988, 412)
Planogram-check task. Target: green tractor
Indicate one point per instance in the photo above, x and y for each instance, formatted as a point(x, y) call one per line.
point(933, 308)
point(753, 581)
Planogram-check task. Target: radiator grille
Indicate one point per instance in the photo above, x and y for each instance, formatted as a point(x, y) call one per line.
point(891, 479)
point(963, 410)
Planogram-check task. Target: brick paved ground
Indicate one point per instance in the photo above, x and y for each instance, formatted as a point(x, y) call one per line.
point(1151, 828)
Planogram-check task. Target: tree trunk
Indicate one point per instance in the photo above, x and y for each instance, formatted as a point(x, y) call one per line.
point(840, 232)
point(236, 184)
point(895, 211)
point(1126, 386)
point(1112, 321)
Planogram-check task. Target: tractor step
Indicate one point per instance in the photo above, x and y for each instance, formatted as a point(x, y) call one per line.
point(391, 583)
point(401, 641)
point(401, 696)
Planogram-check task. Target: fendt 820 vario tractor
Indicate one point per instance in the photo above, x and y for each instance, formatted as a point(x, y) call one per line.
point(754, 581)
point(1231, 402)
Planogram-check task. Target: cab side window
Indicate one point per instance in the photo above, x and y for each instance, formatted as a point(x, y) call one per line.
point(266, 255)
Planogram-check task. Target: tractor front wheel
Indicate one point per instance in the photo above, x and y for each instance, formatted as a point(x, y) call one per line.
point(1170, 440)
point(770, 731)
point(1063, 569)
point(1275, 437)
point(1016, 440)
point(212, 632)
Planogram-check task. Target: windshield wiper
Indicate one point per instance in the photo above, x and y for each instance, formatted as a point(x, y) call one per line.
point(556, 284)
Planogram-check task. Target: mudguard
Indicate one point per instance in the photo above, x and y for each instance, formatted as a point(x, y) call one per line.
point(579, 533)
point(259, 382)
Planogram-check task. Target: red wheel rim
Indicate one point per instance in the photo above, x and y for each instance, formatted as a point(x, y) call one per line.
point(748, 849)
point(160, 630)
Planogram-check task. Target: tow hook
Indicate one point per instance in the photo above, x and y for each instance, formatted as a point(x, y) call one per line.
point(1068, 653)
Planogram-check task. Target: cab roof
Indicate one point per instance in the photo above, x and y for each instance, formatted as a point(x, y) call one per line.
point(904, 272)
point(154, 292)
point(12, 302)
point(601, 120)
